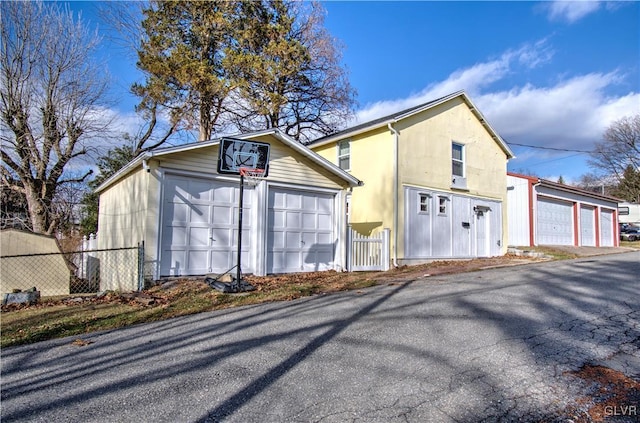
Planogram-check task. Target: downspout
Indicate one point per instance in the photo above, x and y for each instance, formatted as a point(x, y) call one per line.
point(395, 195)
point(534, 212)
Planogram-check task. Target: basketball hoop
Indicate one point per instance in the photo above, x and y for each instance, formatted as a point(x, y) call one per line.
point(252, 176)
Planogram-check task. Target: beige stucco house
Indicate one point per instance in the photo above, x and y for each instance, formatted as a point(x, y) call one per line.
point(434, 174)
point(175, 201)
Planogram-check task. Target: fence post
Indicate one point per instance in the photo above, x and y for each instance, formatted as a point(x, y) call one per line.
point(349, 246)
point(386, 259)
point(141, 266)
point(83, 259)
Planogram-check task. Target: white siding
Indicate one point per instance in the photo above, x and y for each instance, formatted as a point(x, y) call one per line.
point(465, 227)
point(518, 211)
point(631, 213)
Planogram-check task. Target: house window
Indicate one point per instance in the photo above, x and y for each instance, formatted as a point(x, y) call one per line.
point(457, 160)
point(344, 155)
point(442, 205)
point(423, 203)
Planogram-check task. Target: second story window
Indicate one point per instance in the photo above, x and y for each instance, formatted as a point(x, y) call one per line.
point(457, 160)
point(344, 155)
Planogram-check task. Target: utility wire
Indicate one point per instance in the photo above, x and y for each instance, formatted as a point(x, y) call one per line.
point(550, 148)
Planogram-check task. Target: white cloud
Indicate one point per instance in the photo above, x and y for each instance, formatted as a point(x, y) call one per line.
point(473, 79)
point(573, 113)
point(570, 11)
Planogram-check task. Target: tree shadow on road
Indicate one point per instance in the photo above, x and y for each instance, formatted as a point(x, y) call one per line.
point(488, 345)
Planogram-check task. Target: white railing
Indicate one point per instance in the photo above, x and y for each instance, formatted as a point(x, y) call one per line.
point(367, 252)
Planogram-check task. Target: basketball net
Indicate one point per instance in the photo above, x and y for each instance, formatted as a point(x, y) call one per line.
point(252, 177)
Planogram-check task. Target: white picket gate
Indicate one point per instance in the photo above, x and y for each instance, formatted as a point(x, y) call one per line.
point(368, 252)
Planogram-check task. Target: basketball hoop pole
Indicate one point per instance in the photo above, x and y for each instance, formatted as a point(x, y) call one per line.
point(238, 269)
point(249, 160)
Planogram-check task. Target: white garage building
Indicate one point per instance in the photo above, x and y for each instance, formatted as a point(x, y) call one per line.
point(542, 212)
point(174, 200)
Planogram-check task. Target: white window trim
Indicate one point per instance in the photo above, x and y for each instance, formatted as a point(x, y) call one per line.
point(427, 203)
point(347, 154)
point(462, 161)
point(442, 202)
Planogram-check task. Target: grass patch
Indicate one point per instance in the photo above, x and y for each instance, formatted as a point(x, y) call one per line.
point(630, 244)
point(556, 253)
point(60, 317)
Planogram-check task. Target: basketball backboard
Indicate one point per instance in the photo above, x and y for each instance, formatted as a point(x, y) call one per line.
point(235, 154)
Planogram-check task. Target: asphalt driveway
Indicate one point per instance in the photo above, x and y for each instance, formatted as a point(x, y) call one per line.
point(492, 345)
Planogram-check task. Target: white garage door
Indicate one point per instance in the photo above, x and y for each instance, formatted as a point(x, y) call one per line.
point(555, 222)
point(606, 228)
point(300, 234)
point(587, 226)
point(199, 229)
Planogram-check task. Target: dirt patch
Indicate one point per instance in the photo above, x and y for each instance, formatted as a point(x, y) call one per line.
point(611, 396)
point(313, 282)
point(134, 299)
point(336, 281)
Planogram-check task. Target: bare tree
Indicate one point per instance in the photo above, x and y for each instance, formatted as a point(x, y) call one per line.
point(619, 149)
point(601, 184)
point(51, 93)
point(162, 118)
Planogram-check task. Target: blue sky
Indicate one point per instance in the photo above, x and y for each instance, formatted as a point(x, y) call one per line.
point(546, 74)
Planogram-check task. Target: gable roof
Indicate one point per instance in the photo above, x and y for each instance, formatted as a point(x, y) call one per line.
point(285, 139)
point(403, 114)
point(566, 188)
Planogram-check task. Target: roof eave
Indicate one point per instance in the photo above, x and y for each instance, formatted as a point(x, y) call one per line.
point(496, 137)
point(347, 134)
point(122, 172)
point(566, 188)
point(351, 180)
point(319, 160)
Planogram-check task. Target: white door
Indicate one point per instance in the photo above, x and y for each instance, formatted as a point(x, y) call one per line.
point(606, 228)
point(555, 222)
point(587, 226)
point(200, 227)
point(300, 236)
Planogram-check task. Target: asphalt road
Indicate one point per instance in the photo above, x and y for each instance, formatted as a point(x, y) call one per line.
point(492, 345)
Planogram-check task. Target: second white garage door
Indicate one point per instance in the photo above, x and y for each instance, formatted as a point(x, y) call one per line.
point(300, 234)
point(555, 222)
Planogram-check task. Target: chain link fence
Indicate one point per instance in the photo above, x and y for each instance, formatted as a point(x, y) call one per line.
point(77, 272)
